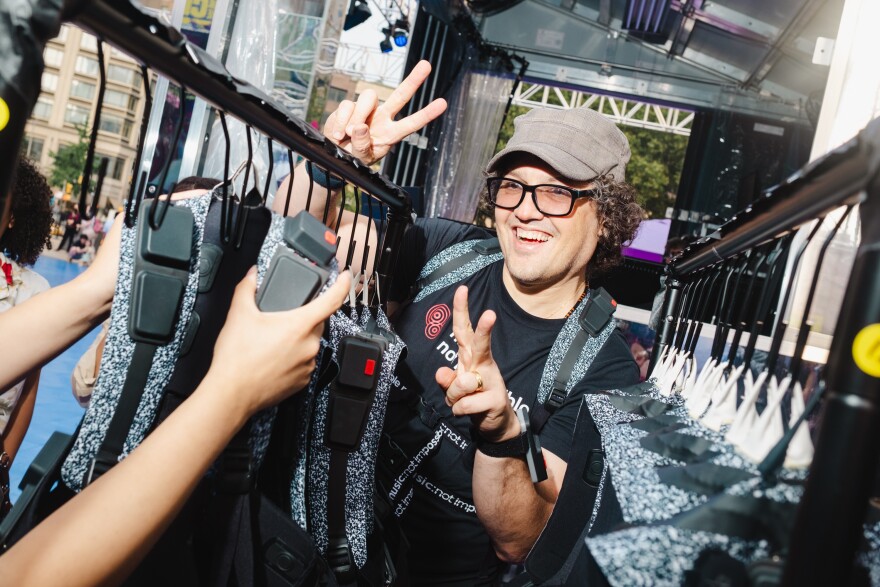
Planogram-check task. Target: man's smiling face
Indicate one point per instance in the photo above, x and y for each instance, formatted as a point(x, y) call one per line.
point(541, 251)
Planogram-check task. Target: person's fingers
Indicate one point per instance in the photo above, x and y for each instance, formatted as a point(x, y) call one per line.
point(363, 110)
point(481, 342)
point(361, 143)
point(444, 377)
point(407, 88)
point(319, 309)
point(417, 120)
point(465, 383)
point(474, 403)
point(340, 120)
point(461, 320)
point(245, 291)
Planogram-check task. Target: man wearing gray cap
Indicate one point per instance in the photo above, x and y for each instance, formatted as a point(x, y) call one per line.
point(562, 212)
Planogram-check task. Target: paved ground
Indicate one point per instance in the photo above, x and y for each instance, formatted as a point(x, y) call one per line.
point(55, 408)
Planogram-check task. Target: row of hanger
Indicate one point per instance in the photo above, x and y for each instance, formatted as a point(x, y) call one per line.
point(738, 296)
point(232, 223)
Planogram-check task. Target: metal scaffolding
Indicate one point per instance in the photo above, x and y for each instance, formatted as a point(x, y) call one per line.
point(621, 110)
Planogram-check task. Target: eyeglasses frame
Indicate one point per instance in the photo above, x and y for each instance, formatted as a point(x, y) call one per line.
point(575, 194)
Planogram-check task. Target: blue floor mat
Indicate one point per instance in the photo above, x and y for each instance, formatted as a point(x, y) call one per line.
point(56, 408)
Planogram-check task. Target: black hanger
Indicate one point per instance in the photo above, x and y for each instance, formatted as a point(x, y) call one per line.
point(781, 324)
point(699, 295)
point(352, 243)
point(84, 208)
point(727, 306)
point(760, 258)
point(697, 326)
point(289, 182)
point(156, 218)
point(772, 277)
point(269, 172)
point(806, 323)
point(687, 298)
point(138, 182)
point(247, 196)
point(727, 269)
point(225, 208)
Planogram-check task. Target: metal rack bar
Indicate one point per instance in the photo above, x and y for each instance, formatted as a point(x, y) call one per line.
point(166, 51)
point(830, 516)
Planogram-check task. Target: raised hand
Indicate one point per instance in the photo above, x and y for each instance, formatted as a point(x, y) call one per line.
point(476, 388)
point(266, 356)
point(368, 131)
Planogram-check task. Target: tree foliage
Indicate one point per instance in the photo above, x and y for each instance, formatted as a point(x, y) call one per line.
point(69, 160)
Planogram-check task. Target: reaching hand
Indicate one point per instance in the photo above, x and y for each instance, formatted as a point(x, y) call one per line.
point(105, 266)
point(487, 404)
point(265, 356)
point(368, 131)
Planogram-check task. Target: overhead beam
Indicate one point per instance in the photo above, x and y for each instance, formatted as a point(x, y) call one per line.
point(804, 15)
point(685, 29)
point(693, 10)
point(626, 111)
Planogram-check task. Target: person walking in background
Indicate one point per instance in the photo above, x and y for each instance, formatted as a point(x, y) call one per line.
point(71, 228)
point(26, 235)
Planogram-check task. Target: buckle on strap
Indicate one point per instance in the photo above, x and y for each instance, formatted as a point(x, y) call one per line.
point(556, 397)
point(340, 559)
point(98, 466)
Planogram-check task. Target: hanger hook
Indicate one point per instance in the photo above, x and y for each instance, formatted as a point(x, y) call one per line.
point(156, 218)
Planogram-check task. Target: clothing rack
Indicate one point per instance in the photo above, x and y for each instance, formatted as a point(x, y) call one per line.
point(166, 51)
point(829, 519)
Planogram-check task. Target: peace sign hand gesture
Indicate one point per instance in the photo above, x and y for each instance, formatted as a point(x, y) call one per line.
point(477, 388)
point(368, 131)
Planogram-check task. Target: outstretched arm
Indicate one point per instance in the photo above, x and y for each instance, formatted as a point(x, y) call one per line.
point(103, 533)
point(47, 324)
point(511, 508)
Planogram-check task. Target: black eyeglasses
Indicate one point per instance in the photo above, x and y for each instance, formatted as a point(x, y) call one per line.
point(549, 199)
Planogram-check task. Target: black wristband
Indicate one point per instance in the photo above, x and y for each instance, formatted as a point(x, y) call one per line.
point(517, 446)
point(320, 177)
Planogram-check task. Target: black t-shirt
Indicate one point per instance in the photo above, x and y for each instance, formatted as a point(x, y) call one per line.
point(448, 545)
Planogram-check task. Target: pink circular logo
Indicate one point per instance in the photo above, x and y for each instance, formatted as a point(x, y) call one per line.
point(436, 319)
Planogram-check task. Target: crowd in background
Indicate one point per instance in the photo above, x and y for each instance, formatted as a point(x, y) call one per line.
point(80, 236)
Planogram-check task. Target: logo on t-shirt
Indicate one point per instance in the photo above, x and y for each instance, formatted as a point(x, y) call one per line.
point(436, 319)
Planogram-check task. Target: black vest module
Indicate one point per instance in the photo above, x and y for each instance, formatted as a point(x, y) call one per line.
point(433, 497)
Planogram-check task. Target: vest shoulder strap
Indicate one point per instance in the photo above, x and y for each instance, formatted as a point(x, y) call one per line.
point(455, 263)
point(594, 322)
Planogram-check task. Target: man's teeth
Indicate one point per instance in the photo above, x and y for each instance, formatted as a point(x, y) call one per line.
point(532, 235)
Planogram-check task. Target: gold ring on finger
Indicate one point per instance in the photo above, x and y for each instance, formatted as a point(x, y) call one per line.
point(479, 380)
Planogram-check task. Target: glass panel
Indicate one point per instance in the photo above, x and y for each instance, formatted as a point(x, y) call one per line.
point(121, 74)
point(49, 82)
point(62, 35)
point(86, 65)
point(115, 165)
point(80, 89)
point(116, 98)
point(89, 42)
point(32, 148)
point(78, 115)
point(53, 57)
point(43, 109)
point(111, 124)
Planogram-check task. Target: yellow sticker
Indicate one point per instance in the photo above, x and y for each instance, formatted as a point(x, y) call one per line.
point(866, 350)
point(4, 114)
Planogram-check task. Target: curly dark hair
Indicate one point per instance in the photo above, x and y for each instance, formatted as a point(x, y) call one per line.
point(31, 215)
point(619, 216)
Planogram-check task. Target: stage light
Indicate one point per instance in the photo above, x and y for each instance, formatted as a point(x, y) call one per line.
point(358, 12)
point(400, 32)
point(385, 45)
